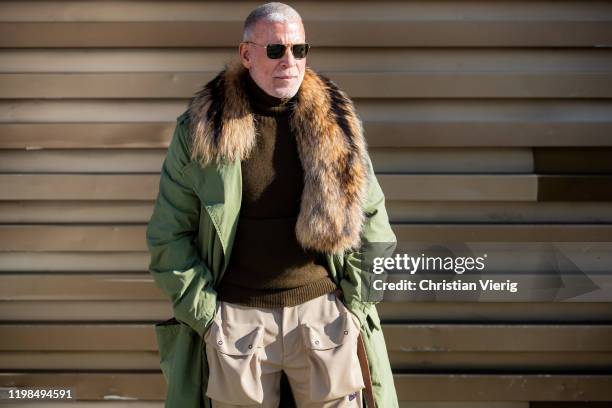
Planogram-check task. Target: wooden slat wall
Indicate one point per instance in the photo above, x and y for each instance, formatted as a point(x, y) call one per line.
point(486, 121)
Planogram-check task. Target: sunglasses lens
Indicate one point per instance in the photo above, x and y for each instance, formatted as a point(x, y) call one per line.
point(300, 50)
point(276, 51)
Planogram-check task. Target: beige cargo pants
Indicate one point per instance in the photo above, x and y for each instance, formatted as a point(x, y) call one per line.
point(314, 343)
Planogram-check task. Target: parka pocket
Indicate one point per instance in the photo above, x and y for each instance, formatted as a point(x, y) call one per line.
point(373, 320)
point(332, 357)
point(166, 334)
point(233, 353)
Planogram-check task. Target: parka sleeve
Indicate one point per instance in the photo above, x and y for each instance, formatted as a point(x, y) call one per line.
point(378, 239)
point(175, 262)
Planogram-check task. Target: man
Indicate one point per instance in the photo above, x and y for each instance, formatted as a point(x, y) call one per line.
point(266, 195)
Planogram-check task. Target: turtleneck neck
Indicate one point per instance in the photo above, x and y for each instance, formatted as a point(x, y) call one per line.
point(262, 102)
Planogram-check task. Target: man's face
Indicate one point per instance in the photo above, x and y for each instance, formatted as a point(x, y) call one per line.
point(278, 77)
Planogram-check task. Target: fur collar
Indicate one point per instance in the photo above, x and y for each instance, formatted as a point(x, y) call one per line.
point(331, 147)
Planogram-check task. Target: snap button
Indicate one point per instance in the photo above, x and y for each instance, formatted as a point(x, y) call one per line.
point(220, 342)
point(317, 342)
point(250, 346)
point(346, 332)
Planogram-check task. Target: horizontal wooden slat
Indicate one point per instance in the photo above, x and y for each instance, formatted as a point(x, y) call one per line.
point(415, 362)
point(120, 238)
point(91, 311)
point(99, 161)
point(126, 238)
point(510, 387)
point(572, 160)
point(97, 111)
point(32, 212)
point(113, 212)
point(79, 287)
point(56, 286)
point(496, 312)
point(144, 187)
point(80, 360)
point(436, 160)
point(575, 188)
point(480, 187)
point(491, 338)
point(565, 404)
point(379, 133)
point(128, 310)
point(77, 337)
point(459, 187)
point(400, 111)
point(217, 11)
point(522, 262)
point(404, 338)
point(462, 404)
point(109, 403)
point(78, 261)
point(121, 85)
point(78, 187)
point(502, 233)
point(109, 60)
point(356, 85)
point(359, 31)
point(324, 59)
point(419, 160)
point(494, 212)
point(547, 285)
point(146, 385)
point(474, 84)
point(502, 362)
point(463, 133)
point(33, 136)
point(131, 238)
point(410, 387)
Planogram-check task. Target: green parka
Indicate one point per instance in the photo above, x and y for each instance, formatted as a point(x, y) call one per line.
point(190, 236)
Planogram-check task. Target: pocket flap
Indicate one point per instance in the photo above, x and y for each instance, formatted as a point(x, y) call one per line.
point(235, 338)
point(327, 335)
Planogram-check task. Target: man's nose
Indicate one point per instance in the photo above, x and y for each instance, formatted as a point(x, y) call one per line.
point(288, 59)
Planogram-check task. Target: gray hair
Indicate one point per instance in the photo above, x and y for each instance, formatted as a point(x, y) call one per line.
point(273, 12)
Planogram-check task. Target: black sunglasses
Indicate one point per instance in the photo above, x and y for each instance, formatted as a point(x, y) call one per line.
point(276, 51)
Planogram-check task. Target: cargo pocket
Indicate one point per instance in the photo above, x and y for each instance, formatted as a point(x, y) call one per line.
point(332, 357)
point(233, 353)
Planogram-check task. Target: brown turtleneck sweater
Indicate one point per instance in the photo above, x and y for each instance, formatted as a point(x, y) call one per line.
point(268, 267)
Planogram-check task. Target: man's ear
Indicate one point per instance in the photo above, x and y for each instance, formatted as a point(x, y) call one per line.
point(244, 55)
